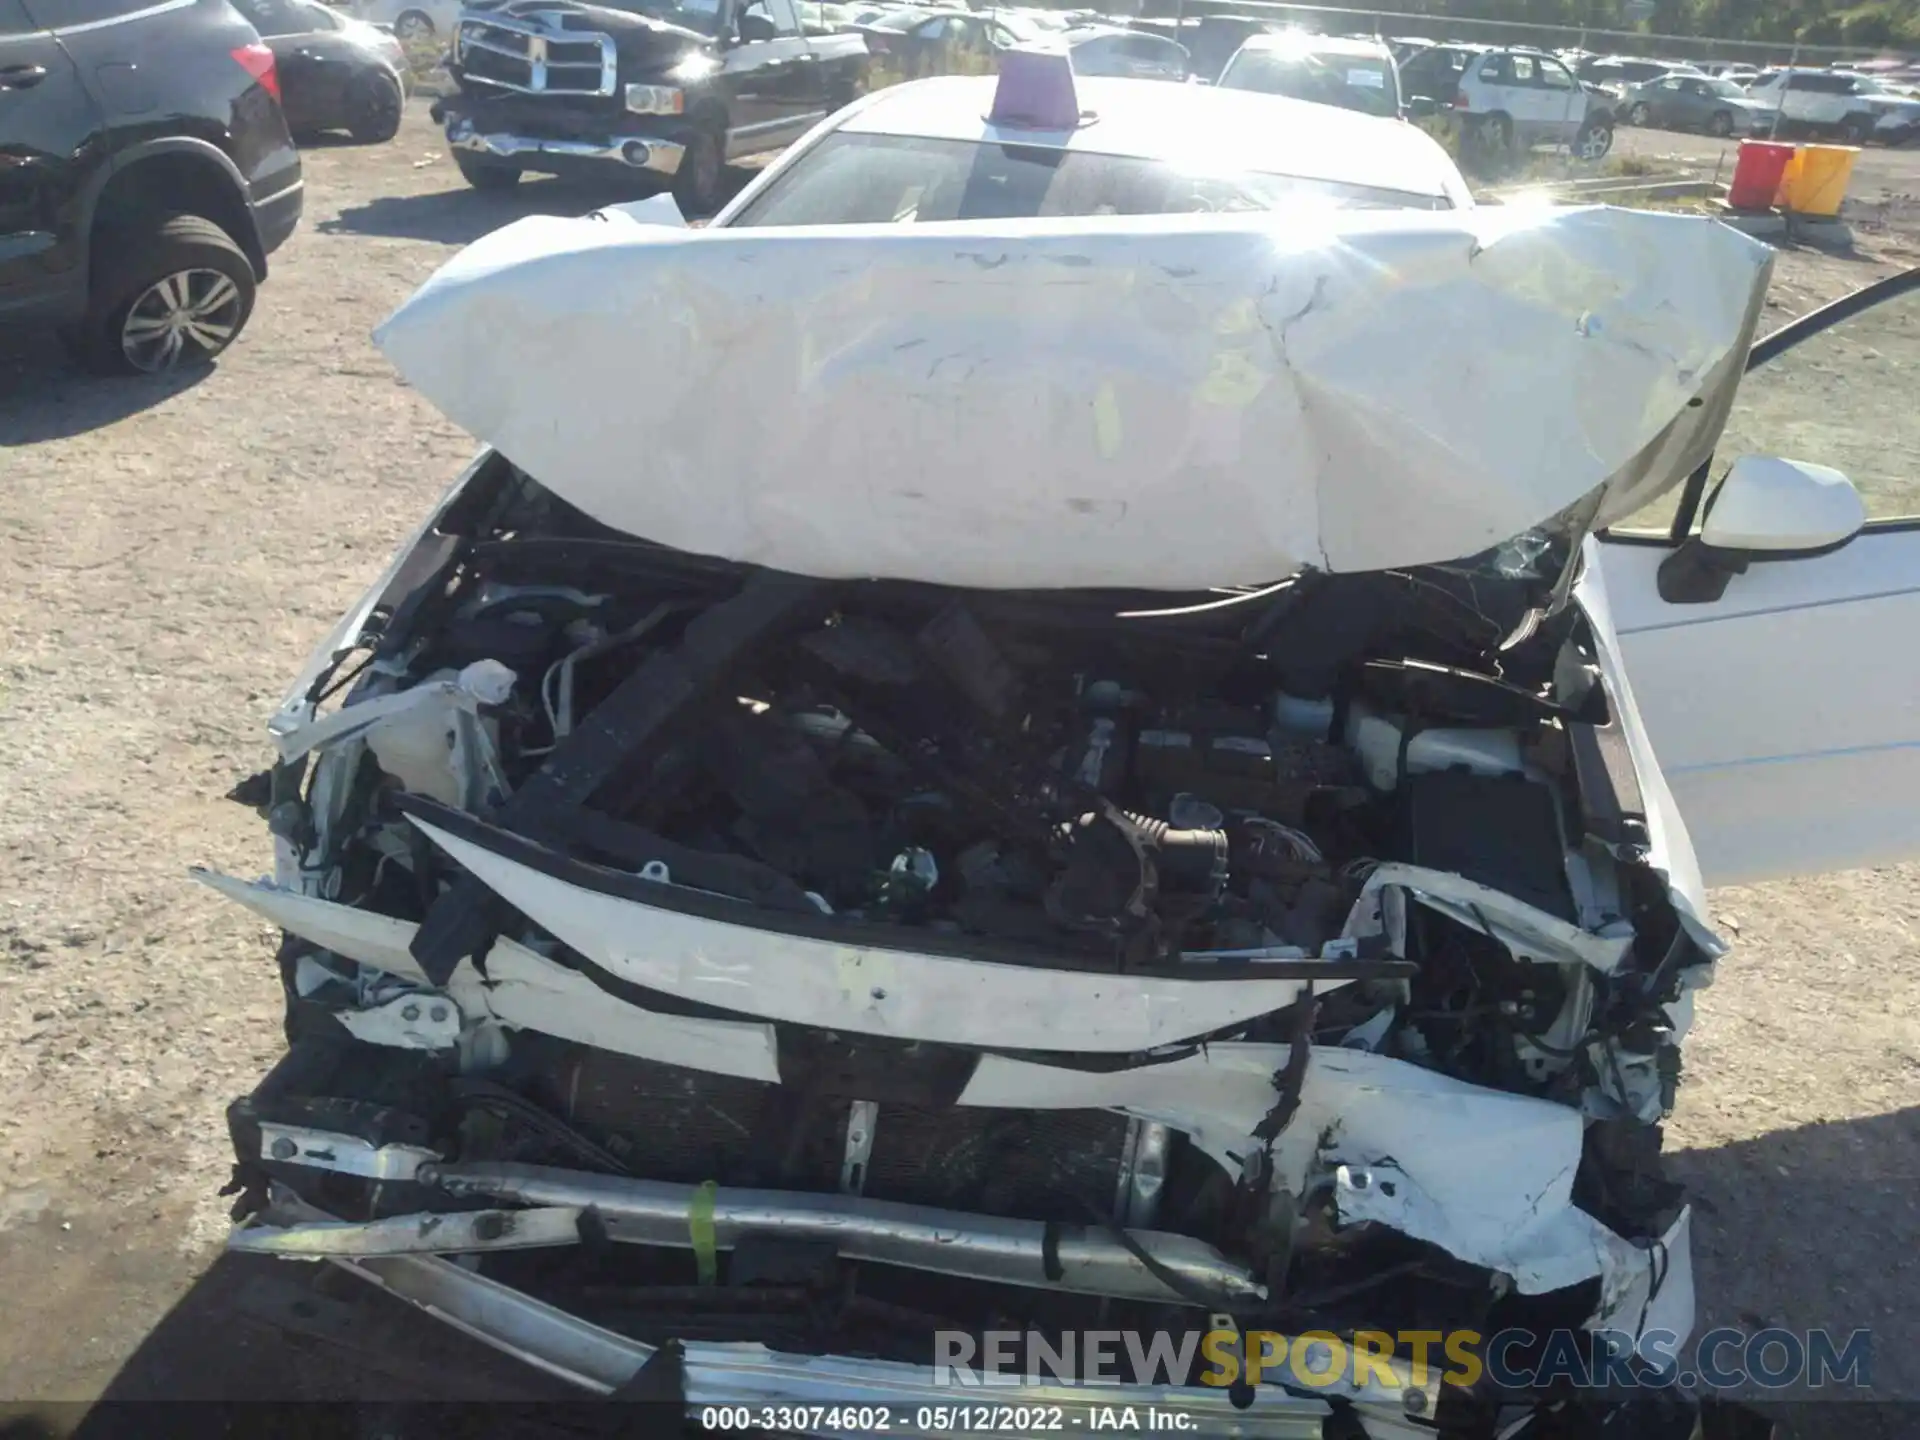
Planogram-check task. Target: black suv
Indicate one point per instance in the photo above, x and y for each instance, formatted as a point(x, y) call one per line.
point(145, 175)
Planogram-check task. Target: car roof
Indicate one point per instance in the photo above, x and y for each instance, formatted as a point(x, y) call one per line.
point(1152, 120)
point(1075, 34)
point(1317, 44)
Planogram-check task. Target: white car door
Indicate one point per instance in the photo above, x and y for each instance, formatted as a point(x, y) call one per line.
point(1785, 713)
point(1528, 101)
point(1564, 102)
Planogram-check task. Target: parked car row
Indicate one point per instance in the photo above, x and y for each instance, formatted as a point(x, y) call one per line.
point(156, 266)
point(1792, 101)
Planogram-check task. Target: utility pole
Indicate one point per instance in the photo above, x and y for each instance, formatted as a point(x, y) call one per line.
point(1786, 83)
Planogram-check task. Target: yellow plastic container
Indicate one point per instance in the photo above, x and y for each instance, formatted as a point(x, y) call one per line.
point(1816, 179)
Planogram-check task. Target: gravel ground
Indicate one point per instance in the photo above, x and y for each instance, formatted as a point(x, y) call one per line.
point(170, 550)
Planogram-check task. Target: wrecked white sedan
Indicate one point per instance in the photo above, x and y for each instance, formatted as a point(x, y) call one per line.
point(1041, 775)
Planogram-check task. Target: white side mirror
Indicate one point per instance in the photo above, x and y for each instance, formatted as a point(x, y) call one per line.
point(1765, 509)
point(1770, 506)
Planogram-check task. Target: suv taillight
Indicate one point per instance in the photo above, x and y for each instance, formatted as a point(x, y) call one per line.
point(257, 60)
point(1461, 100)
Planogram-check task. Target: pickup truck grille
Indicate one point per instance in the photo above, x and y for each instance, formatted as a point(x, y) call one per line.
point(516, 55)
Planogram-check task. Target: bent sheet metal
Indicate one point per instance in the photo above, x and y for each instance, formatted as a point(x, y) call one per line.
point(1167, 402)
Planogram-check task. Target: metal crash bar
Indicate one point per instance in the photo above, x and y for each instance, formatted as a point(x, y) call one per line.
point(1085, 1260)
point(601, 1361)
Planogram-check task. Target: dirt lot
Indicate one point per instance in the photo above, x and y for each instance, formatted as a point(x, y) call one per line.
point(169, 551)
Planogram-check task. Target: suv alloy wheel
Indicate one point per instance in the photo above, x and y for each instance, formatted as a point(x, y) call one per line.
point(172, 294)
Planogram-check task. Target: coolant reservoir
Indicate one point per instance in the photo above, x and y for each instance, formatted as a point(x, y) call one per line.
point(436, 744)
point(1375, 738)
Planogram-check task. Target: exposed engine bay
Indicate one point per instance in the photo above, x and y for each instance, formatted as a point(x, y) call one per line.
point(720, 955)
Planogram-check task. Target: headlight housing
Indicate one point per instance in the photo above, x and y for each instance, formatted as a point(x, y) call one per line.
point(656, 100)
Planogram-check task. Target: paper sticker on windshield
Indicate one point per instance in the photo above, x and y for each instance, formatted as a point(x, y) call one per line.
point(1367, 79)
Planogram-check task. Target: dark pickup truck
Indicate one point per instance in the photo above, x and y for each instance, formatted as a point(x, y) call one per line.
point(648, 86)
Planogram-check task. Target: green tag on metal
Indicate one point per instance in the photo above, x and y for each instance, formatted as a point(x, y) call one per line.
point(700, 1231)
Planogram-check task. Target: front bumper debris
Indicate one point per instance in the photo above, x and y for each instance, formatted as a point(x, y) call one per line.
point(635, 153)
point(603, 1362)
point(561, 137)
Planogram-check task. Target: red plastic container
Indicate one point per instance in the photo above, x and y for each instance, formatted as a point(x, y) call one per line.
point(1756, 174)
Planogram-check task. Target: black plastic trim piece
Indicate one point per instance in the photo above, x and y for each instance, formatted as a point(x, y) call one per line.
point(614, 735)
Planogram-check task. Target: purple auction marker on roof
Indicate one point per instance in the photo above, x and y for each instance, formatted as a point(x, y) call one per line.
point(1036, 90)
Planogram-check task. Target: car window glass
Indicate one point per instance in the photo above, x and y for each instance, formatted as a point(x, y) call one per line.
point(318, 17)
point(275, 17)
point(1521, 70)
point(1352, 82)
point(859, 179)
point(1493, 69)
point(1554, 77)
point(1831, 400)
point(1427, 67)
point(785, 18)
point(755, 10)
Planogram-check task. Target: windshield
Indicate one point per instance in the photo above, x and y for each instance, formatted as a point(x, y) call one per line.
point(881, 179)
point(1726, 90)
point(1366, 83)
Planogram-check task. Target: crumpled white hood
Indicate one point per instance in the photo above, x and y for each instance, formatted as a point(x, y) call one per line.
point(1167, 402)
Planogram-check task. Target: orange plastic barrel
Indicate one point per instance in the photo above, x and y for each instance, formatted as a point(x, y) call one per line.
point(1756, 174)
point(1816, 182)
